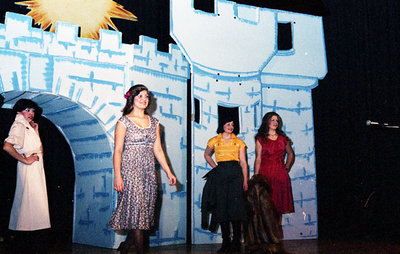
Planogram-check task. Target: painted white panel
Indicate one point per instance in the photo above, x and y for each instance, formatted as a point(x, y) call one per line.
point(235, 62)
point(86, 80)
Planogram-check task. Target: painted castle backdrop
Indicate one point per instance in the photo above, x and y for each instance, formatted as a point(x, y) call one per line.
point(234, 58)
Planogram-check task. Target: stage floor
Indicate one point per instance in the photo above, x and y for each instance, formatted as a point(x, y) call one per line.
point(291, 246)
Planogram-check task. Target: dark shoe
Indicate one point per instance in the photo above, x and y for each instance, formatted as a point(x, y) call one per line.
point(226, 247)
point(236, 246)
point(123, 248)
point(237, 235)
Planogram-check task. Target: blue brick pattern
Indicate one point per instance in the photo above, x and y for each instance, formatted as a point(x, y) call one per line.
point(235, 63)
point(80, 84)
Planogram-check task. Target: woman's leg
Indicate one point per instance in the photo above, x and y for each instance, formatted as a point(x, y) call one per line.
point(280, 233)
point(139, 241)
point(237, 236)
point(126, 245)
point(226, 237)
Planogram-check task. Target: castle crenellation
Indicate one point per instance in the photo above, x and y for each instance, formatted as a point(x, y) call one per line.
point(18, 34)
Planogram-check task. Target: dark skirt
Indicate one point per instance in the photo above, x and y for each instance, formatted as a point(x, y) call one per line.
point(229, 192)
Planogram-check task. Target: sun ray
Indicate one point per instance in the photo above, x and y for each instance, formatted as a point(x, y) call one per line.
point(110, 23)
point(45, 24)
point(47, 12)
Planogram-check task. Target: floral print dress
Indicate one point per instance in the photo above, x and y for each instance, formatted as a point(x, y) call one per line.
point(136, 204)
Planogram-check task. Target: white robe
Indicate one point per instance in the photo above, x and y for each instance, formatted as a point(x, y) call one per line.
point(30, 209)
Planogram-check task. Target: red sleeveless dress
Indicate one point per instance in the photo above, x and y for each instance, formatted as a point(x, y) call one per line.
point(273, 168)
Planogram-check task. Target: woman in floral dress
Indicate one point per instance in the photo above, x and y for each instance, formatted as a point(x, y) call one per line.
point(137, 144)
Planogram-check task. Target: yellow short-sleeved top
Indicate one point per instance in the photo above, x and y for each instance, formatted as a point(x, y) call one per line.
point(226, 152)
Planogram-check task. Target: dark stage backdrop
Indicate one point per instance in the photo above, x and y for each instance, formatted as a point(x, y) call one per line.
point(358, 168)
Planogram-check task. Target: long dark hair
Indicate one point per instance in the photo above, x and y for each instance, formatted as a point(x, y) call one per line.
point(130, 96)
point(264, 128)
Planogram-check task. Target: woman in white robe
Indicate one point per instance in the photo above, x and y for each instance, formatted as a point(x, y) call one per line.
point(30, 210)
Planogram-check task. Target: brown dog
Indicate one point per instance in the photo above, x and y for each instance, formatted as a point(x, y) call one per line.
point(263, 221)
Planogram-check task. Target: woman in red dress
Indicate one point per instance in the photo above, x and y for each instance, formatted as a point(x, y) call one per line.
point(272, 147)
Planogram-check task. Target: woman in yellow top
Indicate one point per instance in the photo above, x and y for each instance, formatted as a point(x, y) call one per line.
point(231, 181)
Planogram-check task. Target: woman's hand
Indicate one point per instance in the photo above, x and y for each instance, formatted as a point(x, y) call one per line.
point(28, 160)
point(257, 161)
point(245, 187)
point(243, 165)
point(118, 184)
point(172, 179)
point(31, 159)
point(119, 137)
point(35, 126)
point(208, 152)
point(290, 157)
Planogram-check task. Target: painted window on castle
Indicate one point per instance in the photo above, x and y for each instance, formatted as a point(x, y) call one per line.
point(233, 112)
point(204, 5)
point(196, 116)
point(285, 37)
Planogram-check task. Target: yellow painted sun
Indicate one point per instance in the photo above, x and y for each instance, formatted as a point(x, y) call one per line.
point(90, 15)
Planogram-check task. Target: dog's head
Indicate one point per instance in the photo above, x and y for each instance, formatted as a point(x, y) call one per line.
point(259, 181)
